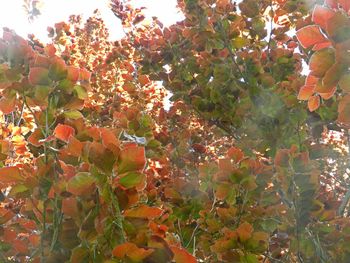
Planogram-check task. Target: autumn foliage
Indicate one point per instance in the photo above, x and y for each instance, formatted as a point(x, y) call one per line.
point(248, 162)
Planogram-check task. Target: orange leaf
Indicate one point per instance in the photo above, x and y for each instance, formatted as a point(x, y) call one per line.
point(131, 158)
point(73, 73)
point(63, 132)
point(310, 35)
point(132, 251)
point(182, 256)
point(313, 103)
point(144, 211)
point(36, 137)
point(10, 175)
point(74, 147)
point(321, 15)
point(38, 76)
point(235, 153)
point(306, 92)
point(311, 80)
point(328, 95)
point(244, 231)
point(7, 105)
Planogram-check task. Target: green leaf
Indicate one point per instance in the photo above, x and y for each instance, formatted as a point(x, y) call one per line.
point(132, 179)
point(73, 114)
point(81, 92)
point(82, 183)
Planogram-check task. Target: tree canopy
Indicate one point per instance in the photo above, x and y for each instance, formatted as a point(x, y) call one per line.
point(249, 162)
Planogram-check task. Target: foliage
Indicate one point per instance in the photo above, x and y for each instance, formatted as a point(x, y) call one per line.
point(93, 168)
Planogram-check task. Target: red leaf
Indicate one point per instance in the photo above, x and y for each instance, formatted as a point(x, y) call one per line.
point(182, 256)
point(10, 175)
point(313, 103)
point(38, 76)
point(131, 159)
point(144, 211)
point(63, 132)
point(310, 35)
point(305, 92)
point(321, 15)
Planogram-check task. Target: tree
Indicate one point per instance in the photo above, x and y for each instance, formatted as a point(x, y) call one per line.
point(239, 169)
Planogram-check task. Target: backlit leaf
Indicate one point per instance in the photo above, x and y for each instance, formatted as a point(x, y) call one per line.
point(131, 179)
point(321, 15)
point(306, 92)
point(63, 132)
point(313, 103)
point(310, 35)
point(182, 256)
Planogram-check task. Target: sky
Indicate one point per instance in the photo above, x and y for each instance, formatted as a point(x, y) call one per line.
point(13, 15)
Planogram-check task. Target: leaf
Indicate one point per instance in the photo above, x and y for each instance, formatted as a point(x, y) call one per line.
point(63, 132)
point(132, 158)
point(344, 83)
point(102, 157)
point(73, 73)
point(38, 76)
point(306, 92)
point(345, 4)
point(235, 153)
point(244, 231)
point(130, 250)
point(58, 69)
point(310, 35)
point(10, 175)
point(313, 103)
point(327, 96)
point(81, 92)
point(81, 184)
point(321, 61)
point(144, 211)
point(344, 110)
point(73, 114)
point(74, 147)
point(321, 15)
point(8, 105)
point(182, 256)
point(36, 138)
point(332, 77)
point(131, 179)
